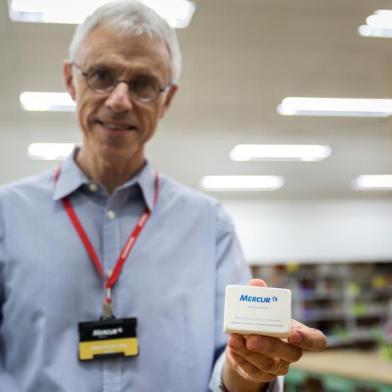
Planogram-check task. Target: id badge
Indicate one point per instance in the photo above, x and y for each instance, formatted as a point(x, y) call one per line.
point(107, 339)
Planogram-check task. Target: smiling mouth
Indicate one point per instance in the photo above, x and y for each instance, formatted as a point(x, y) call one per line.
point(116, 127)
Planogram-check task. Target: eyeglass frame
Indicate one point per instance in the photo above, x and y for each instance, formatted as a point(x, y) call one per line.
point(117, 82)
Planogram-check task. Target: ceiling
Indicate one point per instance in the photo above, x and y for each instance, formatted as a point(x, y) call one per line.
point(240, 59)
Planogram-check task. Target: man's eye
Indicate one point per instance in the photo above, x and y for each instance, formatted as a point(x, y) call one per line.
point(100, 79)
point(145, 84)
point(100, 75)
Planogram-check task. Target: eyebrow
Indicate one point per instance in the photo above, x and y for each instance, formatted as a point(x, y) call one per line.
point(100, 66)
point(139, 71)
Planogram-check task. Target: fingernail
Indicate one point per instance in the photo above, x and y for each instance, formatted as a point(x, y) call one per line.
point(255, 344)
point(235, 342)
point(296, 338)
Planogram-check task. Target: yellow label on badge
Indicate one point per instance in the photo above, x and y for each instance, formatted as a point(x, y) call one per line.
point(108, 347)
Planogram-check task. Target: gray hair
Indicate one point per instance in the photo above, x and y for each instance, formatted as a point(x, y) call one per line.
point(130, 16)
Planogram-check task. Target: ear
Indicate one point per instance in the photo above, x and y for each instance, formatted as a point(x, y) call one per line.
point(168, 99)
point(68, 79)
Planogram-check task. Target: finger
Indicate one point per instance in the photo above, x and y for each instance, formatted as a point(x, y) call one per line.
point(284, 368)
point(263, 362)
point(273, 347)
point(260, 361)
point(277, 367)
point(257, 282)
point(246, 370)
point(307, 338)
point(236, 342)
point(265, 345)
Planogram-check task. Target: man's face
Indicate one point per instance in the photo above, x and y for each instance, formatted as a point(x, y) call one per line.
point(116, 126)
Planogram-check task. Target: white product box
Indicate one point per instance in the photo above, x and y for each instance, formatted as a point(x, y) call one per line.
point(257, 310)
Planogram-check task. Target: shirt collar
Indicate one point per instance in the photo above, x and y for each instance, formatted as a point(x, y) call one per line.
point(145, 178)
point(71, 177)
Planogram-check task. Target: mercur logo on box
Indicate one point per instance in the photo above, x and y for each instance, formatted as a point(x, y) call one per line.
point(248, 298)
point(257, 310)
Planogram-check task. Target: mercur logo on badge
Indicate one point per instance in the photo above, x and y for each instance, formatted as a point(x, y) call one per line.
point(249, 298)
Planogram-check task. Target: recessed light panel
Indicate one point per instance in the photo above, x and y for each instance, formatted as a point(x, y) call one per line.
point(242, 183)
point(373, 182)
point(50, 151)
point(178, 13)
point(46, 101)
point(280, 152)
point(350, 107)
point(377, 25)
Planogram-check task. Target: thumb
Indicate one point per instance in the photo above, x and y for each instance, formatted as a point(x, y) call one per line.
point(257, 282)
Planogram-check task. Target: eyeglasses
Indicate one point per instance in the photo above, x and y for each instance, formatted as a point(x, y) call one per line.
point(143, 88)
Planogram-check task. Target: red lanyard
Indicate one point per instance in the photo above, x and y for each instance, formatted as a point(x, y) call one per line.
point(112, 278)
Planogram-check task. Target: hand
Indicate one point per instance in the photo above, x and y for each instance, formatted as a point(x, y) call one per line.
point(259, 359)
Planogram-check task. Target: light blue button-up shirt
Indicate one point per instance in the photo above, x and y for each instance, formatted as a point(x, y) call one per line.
point(173, 282)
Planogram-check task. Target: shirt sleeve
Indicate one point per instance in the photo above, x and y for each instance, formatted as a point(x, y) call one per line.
point(231, 268)
point(7, 383)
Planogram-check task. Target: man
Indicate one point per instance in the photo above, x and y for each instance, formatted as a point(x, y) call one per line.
point(105, 236)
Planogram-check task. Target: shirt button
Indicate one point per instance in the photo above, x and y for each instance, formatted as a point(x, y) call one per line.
point(93, 187)
point(111, 214)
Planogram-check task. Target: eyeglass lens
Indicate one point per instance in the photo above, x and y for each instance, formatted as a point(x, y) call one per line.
point(104, 80)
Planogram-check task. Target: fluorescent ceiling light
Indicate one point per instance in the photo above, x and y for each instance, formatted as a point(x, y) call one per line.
point(377, 25)
point(280, 152)
point(242, 183)
point(367, 31)
point(43, 102)
point(178, 13)
point(351, 107)
point(373, 182)
point(50, 151)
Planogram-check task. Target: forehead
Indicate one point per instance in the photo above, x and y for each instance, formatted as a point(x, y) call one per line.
point(104, 45)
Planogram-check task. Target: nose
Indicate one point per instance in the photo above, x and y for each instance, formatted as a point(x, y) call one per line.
point(119, 99)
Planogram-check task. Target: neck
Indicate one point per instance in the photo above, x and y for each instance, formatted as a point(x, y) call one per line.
point(108, 174)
